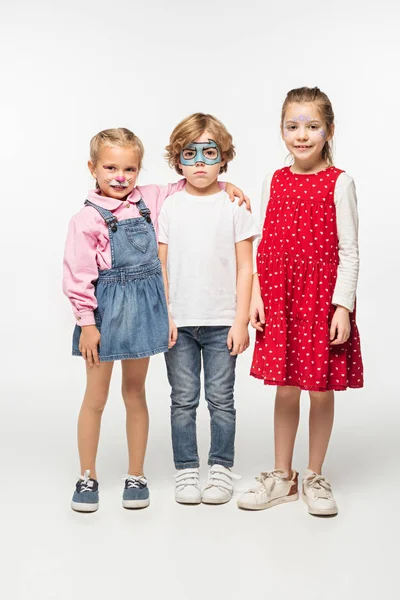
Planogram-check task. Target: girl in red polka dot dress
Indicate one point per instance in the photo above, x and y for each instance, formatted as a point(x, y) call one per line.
point(303, 302)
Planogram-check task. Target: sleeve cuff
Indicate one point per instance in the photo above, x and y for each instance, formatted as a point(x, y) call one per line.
point(85, 318)
point(341, 301)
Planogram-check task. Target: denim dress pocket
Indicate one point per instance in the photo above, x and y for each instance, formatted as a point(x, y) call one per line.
point(138, 237)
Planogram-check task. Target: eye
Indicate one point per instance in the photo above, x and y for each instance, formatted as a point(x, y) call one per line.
point(290, 127)
point(211, 153)
point(188, 153)
point(314, 127)
point(109, 168)
point(131, 169)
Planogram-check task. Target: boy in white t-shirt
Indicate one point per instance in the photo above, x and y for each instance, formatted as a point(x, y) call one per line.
point(206, 254)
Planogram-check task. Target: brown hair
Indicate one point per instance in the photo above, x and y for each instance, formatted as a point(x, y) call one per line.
point(192, 128)
point(115, 137)
point(306, 94)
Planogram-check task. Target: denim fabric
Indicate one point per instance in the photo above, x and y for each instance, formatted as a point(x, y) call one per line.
point(132, 313)
point(136, 493)
point(86, 497)
point(183, 366)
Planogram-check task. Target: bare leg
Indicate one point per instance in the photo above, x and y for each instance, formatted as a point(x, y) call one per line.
point(94, 401)
point(137, 417)
point(321, 422)
point(286, 421)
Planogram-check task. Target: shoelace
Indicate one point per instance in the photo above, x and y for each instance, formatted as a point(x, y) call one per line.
point(266, 481)
point(86, 485)
point(134, 481)
point(320, 486)
point(187, 477)
point(222, 480)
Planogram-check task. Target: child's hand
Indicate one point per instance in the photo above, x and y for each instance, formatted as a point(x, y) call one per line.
point(257, 313)
point(233, 191)
point(238, 338)
point(173, 333)
point(89, 343)
point(340, 326)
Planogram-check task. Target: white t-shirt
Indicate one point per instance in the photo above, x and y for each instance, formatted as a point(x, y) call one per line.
point(347, 227)
point(201, 233)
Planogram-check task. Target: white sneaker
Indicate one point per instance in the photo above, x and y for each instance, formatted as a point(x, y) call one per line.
point(219, 488)
point(187, 486)
point(273, 488)
point(317, 494)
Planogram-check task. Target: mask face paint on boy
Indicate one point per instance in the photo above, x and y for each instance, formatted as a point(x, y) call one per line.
point(200, 152)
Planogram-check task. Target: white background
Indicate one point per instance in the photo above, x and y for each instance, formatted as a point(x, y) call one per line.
point(70, 69)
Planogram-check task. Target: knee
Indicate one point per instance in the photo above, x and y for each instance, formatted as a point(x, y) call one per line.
point(220, 397)
point(130, 387)
point(96, 405)
point(184, 399)
point(134, 395)
point(321, 398)
point(288, 393)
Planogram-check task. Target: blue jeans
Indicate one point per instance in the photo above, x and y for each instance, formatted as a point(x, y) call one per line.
point(183, 366)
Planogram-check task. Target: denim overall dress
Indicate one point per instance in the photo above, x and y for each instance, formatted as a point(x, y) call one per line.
point(132, 314)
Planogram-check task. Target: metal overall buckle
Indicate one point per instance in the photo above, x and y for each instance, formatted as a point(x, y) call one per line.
point(113, 224)
point(145, 213)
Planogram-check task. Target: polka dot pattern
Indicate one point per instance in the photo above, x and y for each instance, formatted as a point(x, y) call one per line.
point(297, 265)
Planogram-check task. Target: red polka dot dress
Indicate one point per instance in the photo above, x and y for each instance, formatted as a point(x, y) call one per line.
point(297, 263)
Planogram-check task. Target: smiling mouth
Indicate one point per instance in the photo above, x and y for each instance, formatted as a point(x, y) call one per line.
point(119, 188)
point(303, 147)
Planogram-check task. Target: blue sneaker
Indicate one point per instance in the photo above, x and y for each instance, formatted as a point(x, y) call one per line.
point(136, 493)
point(86, 495)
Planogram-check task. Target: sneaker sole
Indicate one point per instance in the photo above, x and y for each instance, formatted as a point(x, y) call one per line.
point(318, 512)
point(82, 507)
point(188, 501)
point(276, 502)
point(212, 501)
point(136, 503)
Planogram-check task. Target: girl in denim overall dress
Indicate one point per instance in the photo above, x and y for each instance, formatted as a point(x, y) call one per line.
point(113, 279)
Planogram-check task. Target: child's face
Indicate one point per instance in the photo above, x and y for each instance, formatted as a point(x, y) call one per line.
point(202, 175)
point(116, 171)
point(304, 132)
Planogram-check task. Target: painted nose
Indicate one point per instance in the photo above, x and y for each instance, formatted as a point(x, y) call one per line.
point(120, 179)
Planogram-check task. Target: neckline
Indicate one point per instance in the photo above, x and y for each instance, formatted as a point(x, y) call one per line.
point(310, 174)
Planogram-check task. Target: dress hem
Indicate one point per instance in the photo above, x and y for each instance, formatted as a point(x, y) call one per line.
point(308, 388)
point(160, 350)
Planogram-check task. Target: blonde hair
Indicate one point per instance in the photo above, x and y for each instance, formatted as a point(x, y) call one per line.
point(306, 94)
point(115, 137)
point(192, 128)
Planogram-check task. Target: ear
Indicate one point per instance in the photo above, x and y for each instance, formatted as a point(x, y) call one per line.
point(330, 132)
point(92, 169)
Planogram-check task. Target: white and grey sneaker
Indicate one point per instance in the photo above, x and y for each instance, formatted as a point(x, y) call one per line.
point(317, 494)
point(273, 488)
point(187, 486)
point(219, 488)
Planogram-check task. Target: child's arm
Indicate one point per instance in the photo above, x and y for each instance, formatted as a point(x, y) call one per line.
point(238, 336)
point(257, 312)
point(347, 277)
point(163, 256)
point(79, 273)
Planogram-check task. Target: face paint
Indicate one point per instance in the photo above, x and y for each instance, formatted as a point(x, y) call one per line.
point(322, 133)
point(119, 182)
point(205, 152)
